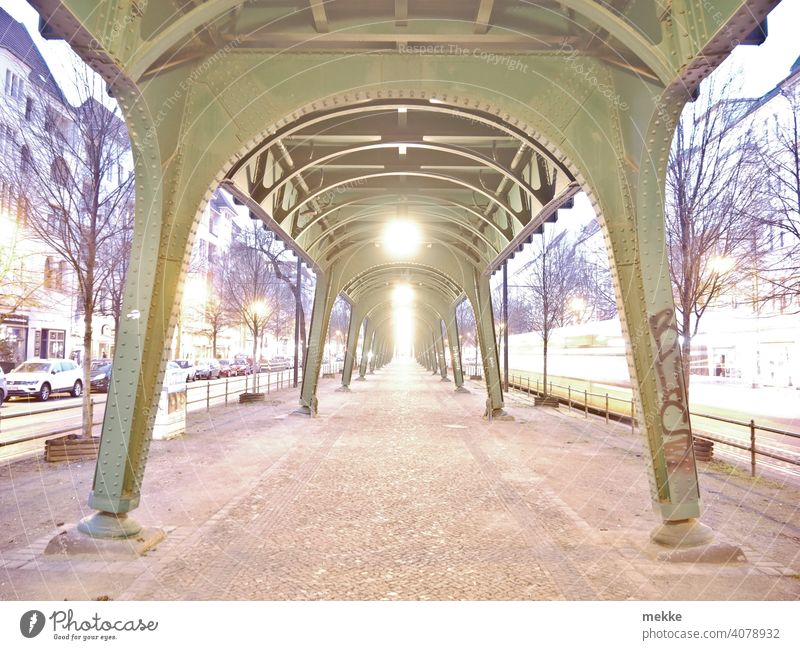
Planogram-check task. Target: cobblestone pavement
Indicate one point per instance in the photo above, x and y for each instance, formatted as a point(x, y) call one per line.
point(399, 490)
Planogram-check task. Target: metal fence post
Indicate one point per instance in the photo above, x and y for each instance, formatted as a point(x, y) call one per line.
point(585, 404)
point(208, 394)
point(752, 448)
point(606, 408)
point(529, 386)
point(267, 382)
point(633, 416)
point(226, 390)
point(569, 395)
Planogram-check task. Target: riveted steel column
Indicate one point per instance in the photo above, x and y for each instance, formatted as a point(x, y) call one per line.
point(365, 349)
point(443, 356)
point(480, 295)
point(648, 316)
point(356, 321)
point(162, 237)
point(324, 298)
point(455, 350)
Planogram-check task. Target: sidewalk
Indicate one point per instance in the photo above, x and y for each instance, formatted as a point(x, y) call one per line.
point(398, 490)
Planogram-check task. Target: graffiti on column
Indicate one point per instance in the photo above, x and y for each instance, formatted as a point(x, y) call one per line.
point(674, 409)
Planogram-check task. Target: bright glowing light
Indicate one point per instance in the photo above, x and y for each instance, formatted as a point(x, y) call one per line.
point(721, 264)
point(403, 149)
point(258, 308)
point(403, 295)
point(577, 305)
point(402, 238)
point(403, 331)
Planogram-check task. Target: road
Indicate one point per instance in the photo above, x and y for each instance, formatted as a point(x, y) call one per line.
point(25, 417)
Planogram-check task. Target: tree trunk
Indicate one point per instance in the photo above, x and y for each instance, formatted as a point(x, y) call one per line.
point(214, 343)
point(544, 367)
point(255, 358)
point(88, 415)
point(686, 351)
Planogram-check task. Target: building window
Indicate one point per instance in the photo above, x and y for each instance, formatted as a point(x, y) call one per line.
point(28, 108)
point(213, 224)
point(55, 344)
point(62, 275)
point(15, 86)
point(212, 253)
point(48, 272)
point(25, 159)
point(59, 172)
point(23, 208)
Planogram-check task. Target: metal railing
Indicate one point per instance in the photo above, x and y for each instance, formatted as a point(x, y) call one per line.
point(602, 404)
point(212, 392)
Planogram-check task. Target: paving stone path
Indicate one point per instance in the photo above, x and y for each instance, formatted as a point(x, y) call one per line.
point(398, 490)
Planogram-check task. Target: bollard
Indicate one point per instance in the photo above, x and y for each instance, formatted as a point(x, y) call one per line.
point(606, 408)
point(752, 448)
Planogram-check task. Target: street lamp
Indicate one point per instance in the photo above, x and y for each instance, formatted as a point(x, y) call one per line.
point(721, 264)
point(578, 307)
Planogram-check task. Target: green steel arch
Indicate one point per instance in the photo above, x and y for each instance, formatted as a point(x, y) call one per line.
point(489, 115)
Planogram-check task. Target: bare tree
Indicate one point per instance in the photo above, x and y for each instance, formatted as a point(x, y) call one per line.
point(284, 269)
point(248, 286)
point(711, 205)
point(72, 168)
point(553, 278)
point(780, 155)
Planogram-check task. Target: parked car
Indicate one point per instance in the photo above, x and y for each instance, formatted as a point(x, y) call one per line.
point(100, 375)
point(276, 364)
point(42, 377)
point(207, 369)
point(226, 368)
point(241, 366)
point(188, 366)
point(3, 387)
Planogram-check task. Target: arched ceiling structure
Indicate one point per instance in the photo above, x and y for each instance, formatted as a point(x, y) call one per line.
point(475, 118)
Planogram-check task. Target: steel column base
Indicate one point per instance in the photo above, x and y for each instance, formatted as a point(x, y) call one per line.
point(343, 389)
point(361, 378)
point(682, 534)
point(109, 525)
point(445, 379)
point(461, 389)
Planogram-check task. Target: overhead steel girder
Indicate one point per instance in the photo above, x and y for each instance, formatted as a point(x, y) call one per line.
point(401, 270)
point(299, 234)
point(238, 171)
point(209, 12)
point(353, 181)
point(366, 234)
point(393, 276)
point(370, 211)
point(461, 152)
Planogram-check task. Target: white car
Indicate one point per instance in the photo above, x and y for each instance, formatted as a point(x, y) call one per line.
point(42, 377)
